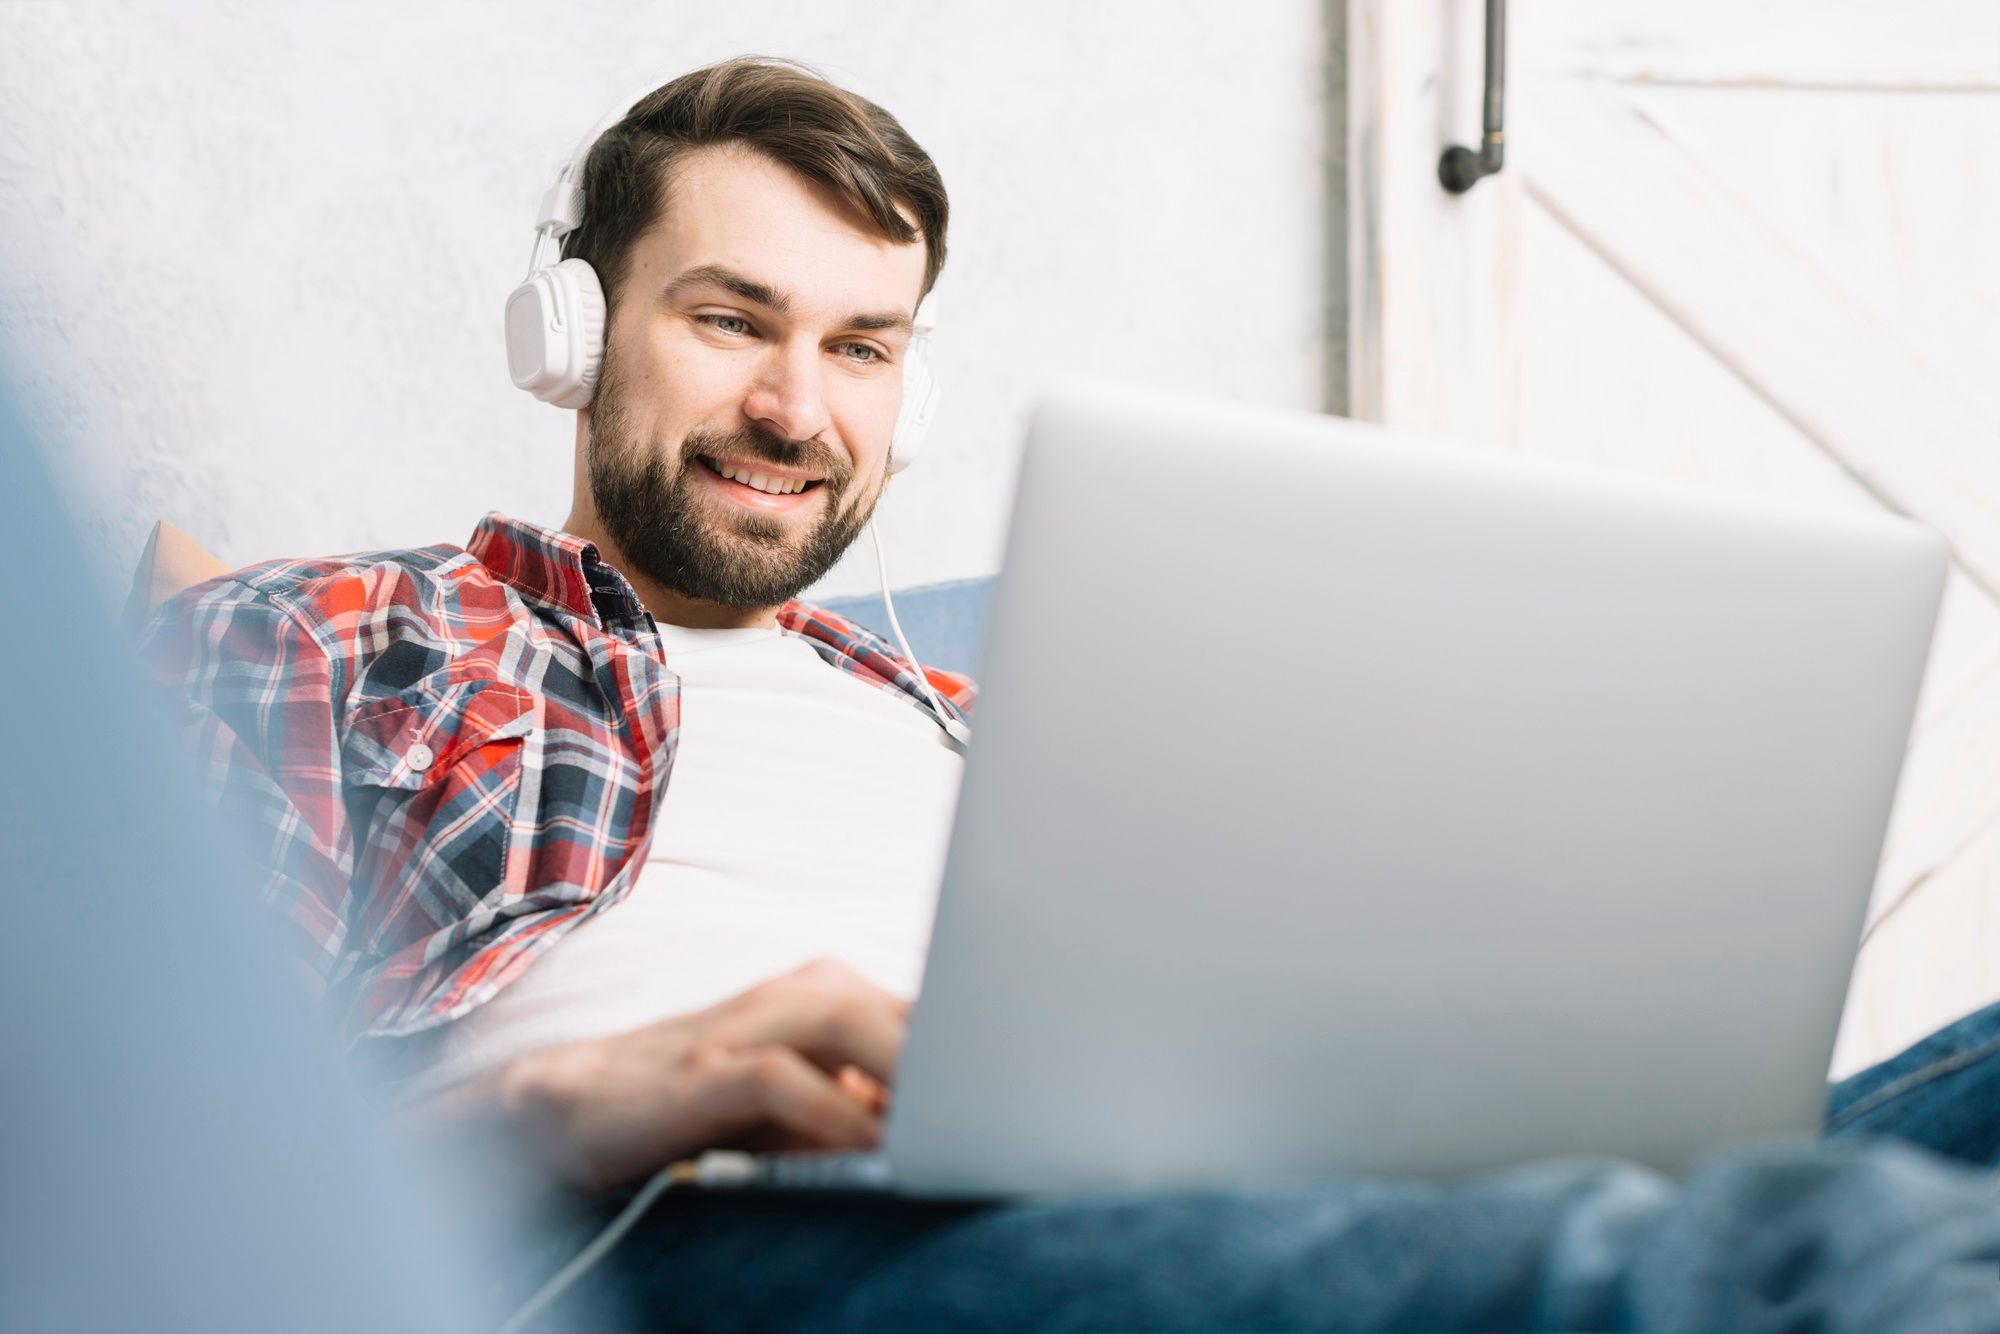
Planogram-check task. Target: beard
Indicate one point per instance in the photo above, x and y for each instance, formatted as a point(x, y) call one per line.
point(669, 528)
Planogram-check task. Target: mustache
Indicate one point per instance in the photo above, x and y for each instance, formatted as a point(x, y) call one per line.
point(755, 442)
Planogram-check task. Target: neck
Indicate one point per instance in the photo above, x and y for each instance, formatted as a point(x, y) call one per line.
point(664, 603)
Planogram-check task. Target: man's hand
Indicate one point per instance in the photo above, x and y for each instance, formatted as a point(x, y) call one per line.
point(801, 1061)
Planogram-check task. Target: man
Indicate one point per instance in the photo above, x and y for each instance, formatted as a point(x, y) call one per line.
point(465, 754)
point(571, 824)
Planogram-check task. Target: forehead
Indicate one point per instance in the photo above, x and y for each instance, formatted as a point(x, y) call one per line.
point(736, 208)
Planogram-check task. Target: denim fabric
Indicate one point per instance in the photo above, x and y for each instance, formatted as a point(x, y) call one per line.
point(1943, 1093)
point(1858, 1233)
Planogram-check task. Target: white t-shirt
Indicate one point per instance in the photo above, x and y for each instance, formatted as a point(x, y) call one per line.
point(807, 815)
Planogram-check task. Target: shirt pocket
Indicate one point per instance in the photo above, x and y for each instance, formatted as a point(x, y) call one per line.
point(432, 775)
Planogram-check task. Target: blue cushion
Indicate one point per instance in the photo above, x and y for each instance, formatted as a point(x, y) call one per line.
point(946, 622)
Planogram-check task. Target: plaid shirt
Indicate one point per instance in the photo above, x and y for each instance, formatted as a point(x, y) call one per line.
point(450, 756)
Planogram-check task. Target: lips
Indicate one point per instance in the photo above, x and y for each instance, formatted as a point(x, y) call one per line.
point(759, 485)
point(761, 476)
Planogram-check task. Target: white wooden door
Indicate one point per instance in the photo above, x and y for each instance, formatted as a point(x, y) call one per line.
point(1747, 245)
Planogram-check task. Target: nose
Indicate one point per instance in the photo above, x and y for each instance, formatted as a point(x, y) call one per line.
point(788, 394)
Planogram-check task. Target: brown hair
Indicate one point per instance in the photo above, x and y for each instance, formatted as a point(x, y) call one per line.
point(786, 111)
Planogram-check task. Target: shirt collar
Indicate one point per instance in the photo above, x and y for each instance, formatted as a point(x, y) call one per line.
point(564, 570)
point(555, 567)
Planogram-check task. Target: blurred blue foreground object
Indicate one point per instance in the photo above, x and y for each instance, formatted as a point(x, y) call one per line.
point(179, 1151)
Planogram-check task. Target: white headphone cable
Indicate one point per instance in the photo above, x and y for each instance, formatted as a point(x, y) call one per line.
point(716, 1168)
point(955, 729)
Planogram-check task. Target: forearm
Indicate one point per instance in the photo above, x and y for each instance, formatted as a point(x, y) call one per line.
point(513, 1126)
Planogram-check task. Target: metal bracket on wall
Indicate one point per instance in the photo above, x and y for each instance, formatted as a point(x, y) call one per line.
point(1461, 168)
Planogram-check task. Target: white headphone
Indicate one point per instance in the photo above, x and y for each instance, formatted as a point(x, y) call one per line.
point(555, 320)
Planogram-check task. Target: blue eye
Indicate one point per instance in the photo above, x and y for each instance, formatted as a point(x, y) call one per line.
point(729, 324)
point(866, 353)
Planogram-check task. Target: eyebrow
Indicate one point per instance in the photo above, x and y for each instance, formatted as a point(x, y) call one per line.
point(763, 294)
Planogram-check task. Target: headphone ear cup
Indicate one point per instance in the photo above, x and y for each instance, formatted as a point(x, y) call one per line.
point(584, 295)
point(920, 399)
point(555, 334)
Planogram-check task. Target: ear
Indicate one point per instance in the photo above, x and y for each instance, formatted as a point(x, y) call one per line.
point(171, 562)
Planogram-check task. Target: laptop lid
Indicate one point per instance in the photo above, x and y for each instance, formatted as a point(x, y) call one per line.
point(1344, 802)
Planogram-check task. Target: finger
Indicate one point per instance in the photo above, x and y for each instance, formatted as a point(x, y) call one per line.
point(864, 1088)
point(775, 1088)
point(866, 1030)
point(828, 1013)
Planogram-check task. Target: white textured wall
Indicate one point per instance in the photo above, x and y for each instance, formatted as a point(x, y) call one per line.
point(256, 253)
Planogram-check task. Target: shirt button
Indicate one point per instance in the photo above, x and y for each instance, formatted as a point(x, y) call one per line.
point(419, 757)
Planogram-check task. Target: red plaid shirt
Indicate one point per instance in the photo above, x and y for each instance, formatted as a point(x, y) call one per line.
point(451, 756)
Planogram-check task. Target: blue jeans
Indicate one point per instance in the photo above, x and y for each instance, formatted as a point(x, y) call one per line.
point(1890, 1223)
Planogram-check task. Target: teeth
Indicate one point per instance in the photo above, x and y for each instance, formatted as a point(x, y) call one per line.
point(777, 486)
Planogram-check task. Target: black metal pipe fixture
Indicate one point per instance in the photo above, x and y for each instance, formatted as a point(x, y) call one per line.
point(1461, 168)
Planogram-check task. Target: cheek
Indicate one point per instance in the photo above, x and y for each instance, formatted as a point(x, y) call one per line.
point(683, 384)
point(866, 415)
point(689, 371)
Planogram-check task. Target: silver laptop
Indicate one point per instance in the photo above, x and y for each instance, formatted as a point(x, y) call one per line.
point(1345, 803)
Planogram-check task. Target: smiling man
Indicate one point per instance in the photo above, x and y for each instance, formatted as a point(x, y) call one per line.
point(598, 830)
point(597, 834)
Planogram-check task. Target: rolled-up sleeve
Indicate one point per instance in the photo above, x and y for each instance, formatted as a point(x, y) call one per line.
point(255, 691)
